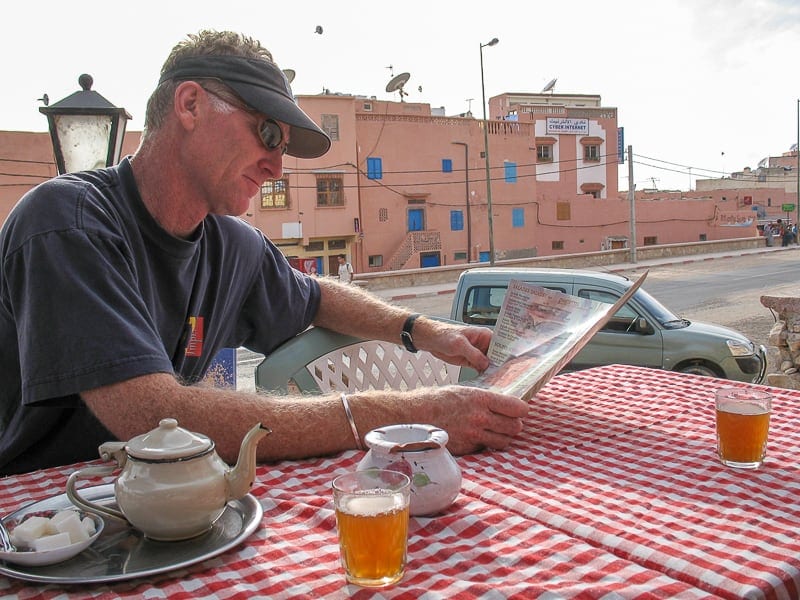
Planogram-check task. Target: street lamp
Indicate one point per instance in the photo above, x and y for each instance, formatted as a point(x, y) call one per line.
point(797, 152)
point(486, 155)
point(469, 217)
point(86, 129)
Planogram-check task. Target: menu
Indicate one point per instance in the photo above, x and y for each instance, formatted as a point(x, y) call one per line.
point(538, 331)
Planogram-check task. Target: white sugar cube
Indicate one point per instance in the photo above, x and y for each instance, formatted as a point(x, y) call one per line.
point(89, 525)
point(72, 526)
point(52, 528)
point(29, 530)
point(51, 542)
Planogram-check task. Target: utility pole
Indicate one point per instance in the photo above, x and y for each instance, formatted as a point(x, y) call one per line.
point(632, 199)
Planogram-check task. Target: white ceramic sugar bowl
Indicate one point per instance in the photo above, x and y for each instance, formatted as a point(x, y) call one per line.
point(419, 451)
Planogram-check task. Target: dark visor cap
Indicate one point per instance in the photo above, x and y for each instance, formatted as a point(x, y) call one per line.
point(264, 87)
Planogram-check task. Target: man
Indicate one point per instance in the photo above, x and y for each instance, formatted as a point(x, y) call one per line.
point(118, 287)
point(345, 269)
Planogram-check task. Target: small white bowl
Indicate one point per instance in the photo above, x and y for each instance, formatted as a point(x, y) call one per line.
point(49, 557)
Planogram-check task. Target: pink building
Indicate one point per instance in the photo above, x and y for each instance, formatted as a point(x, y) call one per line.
point(405, 186)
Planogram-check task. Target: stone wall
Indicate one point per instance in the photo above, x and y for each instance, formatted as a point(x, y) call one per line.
point(449, 274)
point(783, 352)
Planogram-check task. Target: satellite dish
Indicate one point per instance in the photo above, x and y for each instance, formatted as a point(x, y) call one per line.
point(549, 87)
point(290, 74)
point(396, 84)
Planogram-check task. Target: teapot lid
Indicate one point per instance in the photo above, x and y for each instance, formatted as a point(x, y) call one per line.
point(168, 442)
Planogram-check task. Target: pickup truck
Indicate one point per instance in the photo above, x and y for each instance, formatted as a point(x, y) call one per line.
point(644, 332)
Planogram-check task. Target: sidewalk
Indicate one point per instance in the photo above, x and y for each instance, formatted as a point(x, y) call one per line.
point(422, 291)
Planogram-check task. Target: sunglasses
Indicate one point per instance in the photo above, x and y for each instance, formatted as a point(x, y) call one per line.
point(269, 131)
point(271, 135)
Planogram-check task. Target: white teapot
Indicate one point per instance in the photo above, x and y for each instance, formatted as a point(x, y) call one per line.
point(173, 486)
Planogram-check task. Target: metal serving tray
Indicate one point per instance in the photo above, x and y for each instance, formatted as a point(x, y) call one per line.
point(122, 552)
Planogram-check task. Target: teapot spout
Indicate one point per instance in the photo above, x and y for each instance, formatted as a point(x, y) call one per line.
point(240, 478)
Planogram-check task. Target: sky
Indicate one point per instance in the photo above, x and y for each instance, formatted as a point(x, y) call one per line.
point(702, 87)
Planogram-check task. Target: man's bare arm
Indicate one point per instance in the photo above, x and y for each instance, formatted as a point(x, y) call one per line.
point(350, 310)
point(303, 426)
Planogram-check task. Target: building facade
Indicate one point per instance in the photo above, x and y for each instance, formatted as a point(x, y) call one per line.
point(405, 186)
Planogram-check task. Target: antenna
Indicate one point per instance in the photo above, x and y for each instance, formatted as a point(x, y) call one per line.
point(391, 70)
point(396, 84)
point(290, 74)
point(549, 87)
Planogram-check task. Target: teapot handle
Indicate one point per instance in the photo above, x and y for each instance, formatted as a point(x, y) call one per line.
point(78, 500)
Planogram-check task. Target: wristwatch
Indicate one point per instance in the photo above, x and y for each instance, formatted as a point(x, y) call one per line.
point(405, 335)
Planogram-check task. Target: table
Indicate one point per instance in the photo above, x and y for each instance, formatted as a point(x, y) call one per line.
point(614, 490)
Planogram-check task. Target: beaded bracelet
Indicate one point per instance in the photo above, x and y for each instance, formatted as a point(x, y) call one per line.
point(352, 421)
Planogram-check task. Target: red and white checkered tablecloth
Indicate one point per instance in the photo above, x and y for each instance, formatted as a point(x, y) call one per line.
point(614, 490)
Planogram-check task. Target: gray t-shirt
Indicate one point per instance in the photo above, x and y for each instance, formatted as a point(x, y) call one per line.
point(93, 291)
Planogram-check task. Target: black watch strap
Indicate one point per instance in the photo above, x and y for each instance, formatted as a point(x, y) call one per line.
point(405, 335)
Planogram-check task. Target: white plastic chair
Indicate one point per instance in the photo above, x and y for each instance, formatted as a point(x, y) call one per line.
point(319, 360)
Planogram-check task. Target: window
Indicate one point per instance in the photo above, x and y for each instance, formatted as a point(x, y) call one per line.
point(557, 245)
point(621, 321)
point(274, 193)
point(593, 189)
point(650, 240)
point(703, 237)
point(563, 211)
point(337, 244)
point(383, 215)
point(317, 246)
point(518, 217)
point(447, 165)
point(510, 169)
point(459, 256)
point(376, 260)
point(544, 148)
point(591, 148)
point(591, 152)
point(456, 220)
point(329, 190)
point(374, 168)
point(330, 125)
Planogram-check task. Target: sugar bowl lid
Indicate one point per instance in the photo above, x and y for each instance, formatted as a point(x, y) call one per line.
point(168, 442)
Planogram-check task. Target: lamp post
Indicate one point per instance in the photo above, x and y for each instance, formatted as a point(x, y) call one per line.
point(86, 129)
point(492, 42)
point(466, 198)
point(797, 153)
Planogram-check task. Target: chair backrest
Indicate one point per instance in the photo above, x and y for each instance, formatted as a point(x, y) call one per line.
point(319, 360)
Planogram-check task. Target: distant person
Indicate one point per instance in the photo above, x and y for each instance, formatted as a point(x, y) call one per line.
point(768, 234)
point(345, 270)
point(786, 234)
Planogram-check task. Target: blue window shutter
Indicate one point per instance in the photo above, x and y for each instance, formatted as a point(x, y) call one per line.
point(518, 217)
point(374, 168)
point(447, 165)
point(511, 172)
point(456, 220)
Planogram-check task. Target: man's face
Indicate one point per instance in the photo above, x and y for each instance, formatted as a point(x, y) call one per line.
point(242, 157)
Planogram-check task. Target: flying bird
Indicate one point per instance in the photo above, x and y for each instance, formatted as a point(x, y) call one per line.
point(318, 29)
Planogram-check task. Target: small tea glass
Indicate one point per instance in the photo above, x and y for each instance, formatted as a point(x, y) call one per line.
point(742, 419)
point(372, 508)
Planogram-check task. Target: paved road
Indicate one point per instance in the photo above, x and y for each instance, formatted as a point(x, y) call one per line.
point(721, 288)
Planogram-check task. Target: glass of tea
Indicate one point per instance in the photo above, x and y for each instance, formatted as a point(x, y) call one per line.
point(742, 426)
point(372, 520)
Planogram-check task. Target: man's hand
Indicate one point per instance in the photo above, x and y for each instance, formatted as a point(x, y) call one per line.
point(473, 418)
point(462, 345)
